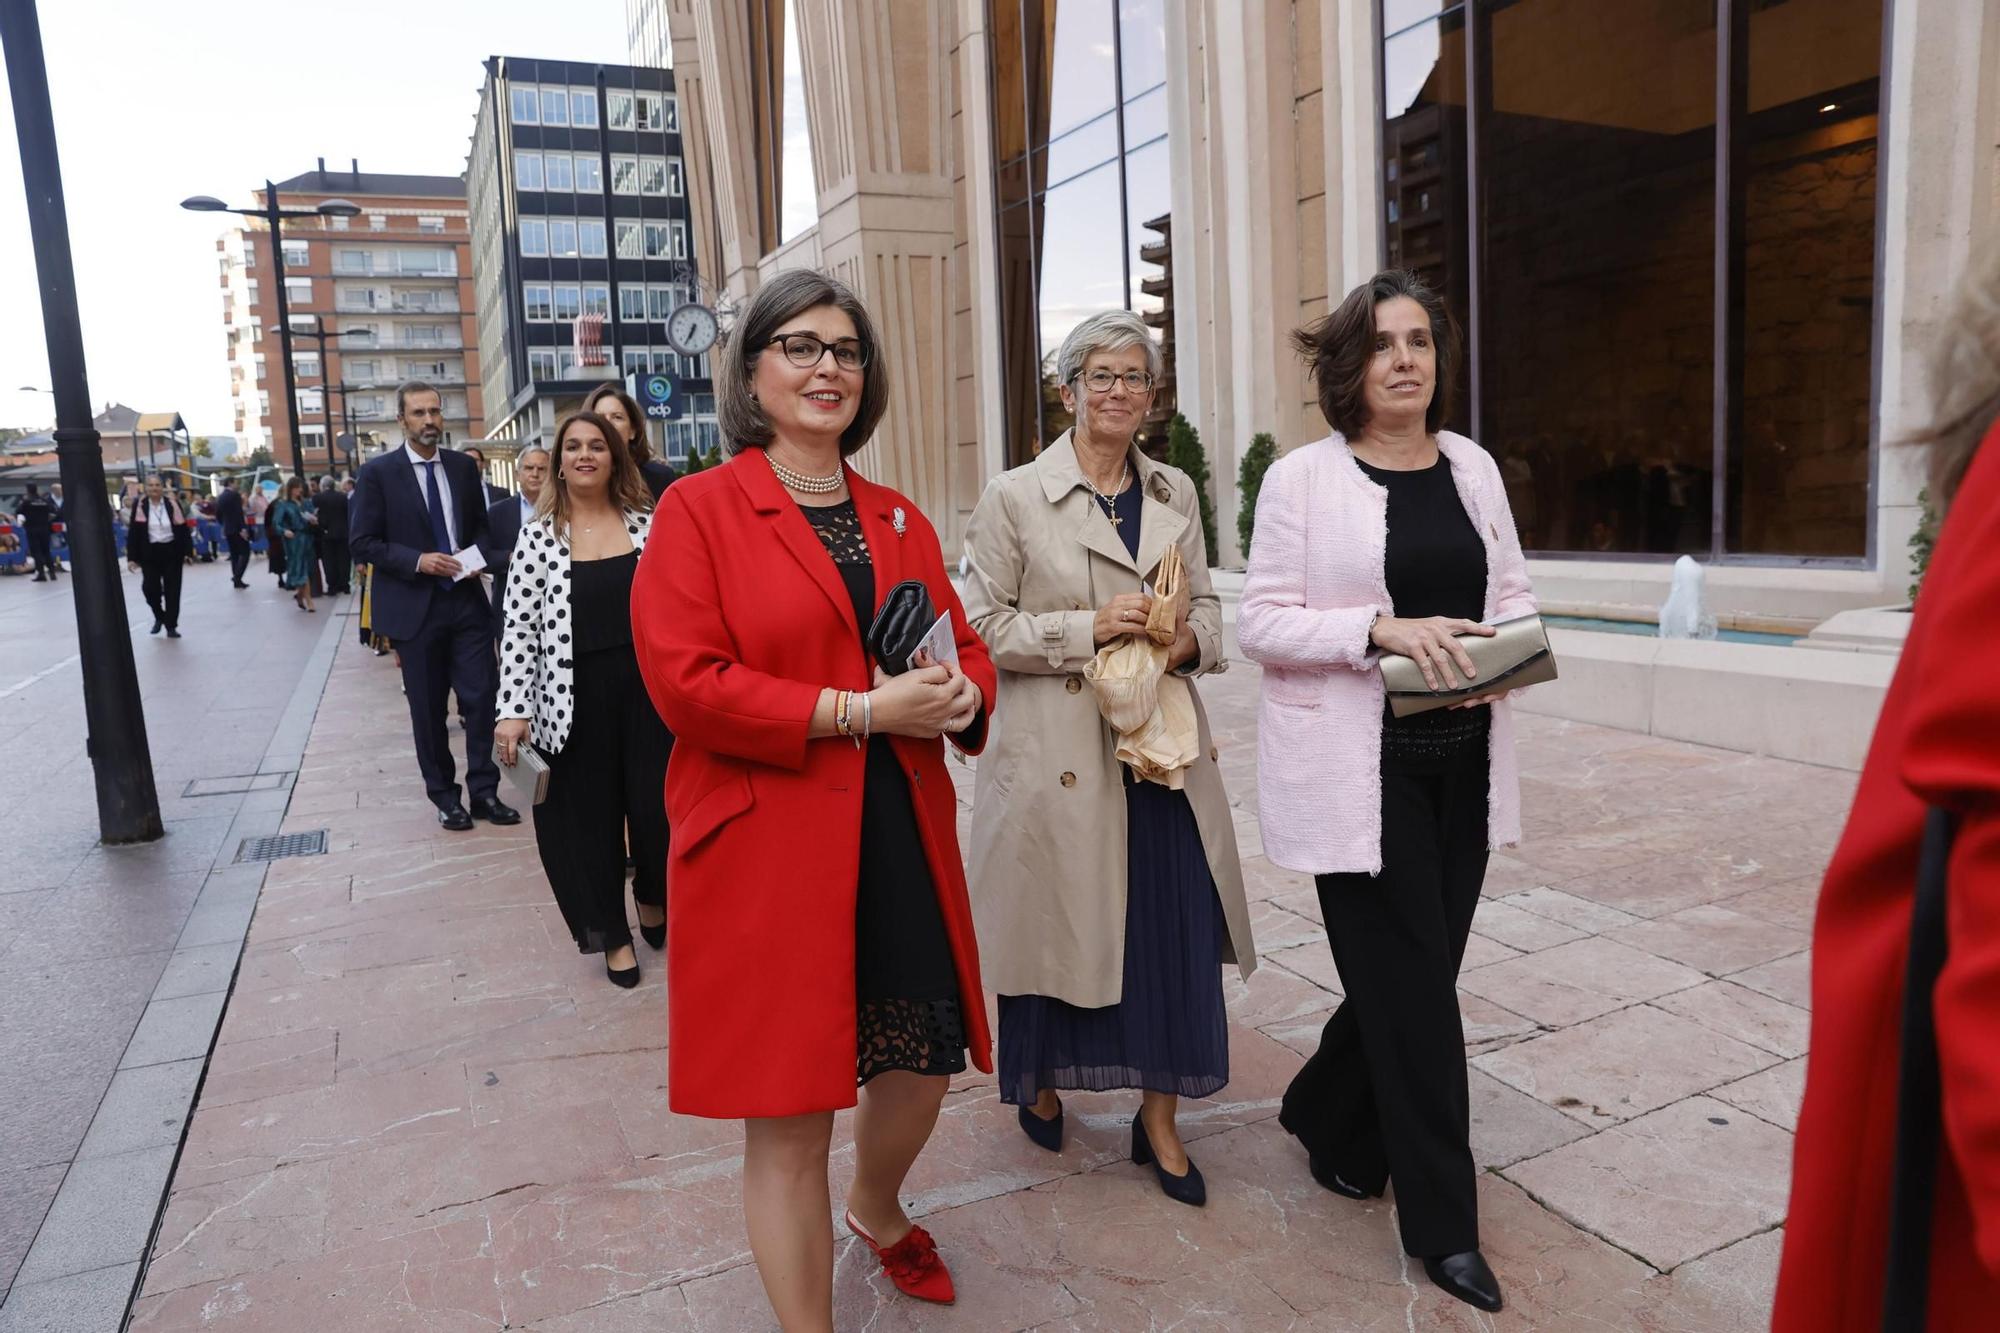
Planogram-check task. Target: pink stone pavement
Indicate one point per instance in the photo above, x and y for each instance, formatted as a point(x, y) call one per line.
point(426, 1111)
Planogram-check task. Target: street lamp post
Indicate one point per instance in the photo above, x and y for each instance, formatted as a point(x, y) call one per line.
point(273, 219)
point(321, 334)
point(121, 760)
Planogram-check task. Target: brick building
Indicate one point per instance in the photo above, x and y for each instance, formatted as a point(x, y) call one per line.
point(393, 283)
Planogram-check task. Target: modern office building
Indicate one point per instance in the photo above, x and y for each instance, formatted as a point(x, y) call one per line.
point(1699, 250)
point(392, 289)
point(581, 245)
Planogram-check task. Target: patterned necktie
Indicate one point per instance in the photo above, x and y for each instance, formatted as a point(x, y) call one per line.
point(440, 532)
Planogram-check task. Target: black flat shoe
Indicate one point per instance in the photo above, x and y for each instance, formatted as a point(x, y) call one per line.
point(493, 811)
point(654, 935)
point(456, 819)
point(158, 625)
point(625, 978)
point(1323, 1172)
point(1466, 1276)
point(1190, 1189)
point(1046, 1133)
point(172, 632)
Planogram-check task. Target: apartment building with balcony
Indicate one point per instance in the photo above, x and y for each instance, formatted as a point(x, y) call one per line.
point(391, 288)
point(581, 249)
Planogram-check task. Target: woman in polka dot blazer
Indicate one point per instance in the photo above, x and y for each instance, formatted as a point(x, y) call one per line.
point(569, 682)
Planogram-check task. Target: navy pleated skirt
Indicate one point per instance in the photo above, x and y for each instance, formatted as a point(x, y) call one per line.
point(1168, 1032)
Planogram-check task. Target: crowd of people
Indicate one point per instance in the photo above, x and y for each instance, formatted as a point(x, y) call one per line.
point(716, 674)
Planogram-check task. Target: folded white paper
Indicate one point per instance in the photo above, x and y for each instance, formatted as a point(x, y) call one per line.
point(939, 642)
point(470, 561)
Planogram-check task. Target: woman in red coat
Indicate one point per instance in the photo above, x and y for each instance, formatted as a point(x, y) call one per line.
point(1937, 744)
point(819, 935)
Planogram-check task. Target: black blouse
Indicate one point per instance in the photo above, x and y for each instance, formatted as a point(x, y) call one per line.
point(600, 600)
point(1435, 565)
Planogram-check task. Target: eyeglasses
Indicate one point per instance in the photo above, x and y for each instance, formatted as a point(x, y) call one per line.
point(1101, 380)
point(804, 350)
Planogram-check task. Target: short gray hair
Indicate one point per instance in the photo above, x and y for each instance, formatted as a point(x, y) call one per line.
point(1107, 331)
point(541, 449)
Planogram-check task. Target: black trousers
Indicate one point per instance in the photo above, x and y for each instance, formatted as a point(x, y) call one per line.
point(1384, 1097)
point(41, 551)
point(607, 784)
point(334, 559)
point(239, 557)
point(160, 571)
point(453, 654)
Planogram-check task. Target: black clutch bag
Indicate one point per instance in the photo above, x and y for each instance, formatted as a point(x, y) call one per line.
point(906, 616)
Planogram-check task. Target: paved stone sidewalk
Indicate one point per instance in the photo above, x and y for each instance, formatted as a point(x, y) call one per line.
point(425, 1111)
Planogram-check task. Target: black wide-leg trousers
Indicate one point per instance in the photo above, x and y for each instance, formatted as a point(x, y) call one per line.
point(606, 785)
point(1384, 1098)
point(160, 570)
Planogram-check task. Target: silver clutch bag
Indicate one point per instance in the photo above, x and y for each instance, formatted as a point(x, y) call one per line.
point(529, 773)
point(1517, 656)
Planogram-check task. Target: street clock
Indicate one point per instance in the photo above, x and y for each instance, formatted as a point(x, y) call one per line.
point(692, 329)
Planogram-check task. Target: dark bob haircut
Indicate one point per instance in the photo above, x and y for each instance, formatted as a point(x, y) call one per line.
point(1338, 348)
point(778, 302)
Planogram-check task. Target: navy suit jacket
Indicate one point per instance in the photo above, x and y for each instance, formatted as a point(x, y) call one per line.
point(389, 527)
point(503, 527)
point(229, 513)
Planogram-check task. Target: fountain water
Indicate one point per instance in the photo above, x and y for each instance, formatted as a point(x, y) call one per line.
point(1685, 614)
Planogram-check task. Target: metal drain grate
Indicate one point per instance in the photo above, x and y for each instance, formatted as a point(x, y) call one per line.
point(282, 846)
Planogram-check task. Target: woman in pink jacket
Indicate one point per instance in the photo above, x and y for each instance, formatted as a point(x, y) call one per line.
point(1389, 536)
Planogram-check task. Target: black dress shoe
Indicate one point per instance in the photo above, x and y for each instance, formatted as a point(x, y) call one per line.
point(623, 977)
point(173, 632)
point(654, 935)
point(1466, 1276)
point(1323, 1172)
point(493, 811)
point(1047, 1133)
point(456, 819)
point(1189, 1189)
point(158, 625)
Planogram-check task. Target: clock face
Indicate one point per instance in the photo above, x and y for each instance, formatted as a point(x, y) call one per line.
point(692, 329)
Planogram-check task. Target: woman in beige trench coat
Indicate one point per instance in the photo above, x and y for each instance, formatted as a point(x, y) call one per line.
point(1105, 905)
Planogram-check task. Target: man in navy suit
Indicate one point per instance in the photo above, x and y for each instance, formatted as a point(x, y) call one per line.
point(414, 509)
point(505, 520)
point(229, 514)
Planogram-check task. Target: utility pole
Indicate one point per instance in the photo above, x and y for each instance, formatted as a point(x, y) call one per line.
point(128, 803)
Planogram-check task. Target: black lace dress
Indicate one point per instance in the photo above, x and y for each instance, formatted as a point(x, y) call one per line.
point(905, 982)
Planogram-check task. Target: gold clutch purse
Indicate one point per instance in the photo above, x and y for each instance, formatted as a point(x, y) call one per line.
point(1518, 655)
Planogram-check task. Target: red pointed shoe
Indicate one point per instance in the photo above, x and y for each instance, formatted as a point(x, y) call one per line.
point(912, 1263)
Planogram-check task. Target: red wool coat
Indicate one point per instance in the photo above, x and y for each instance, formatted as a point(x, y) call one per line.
point(740, 618)
point(1938, 743)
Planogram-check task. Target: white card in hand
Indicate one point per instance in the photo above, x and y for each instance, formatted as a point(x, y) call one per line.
point(470, 561)
point(939, 642)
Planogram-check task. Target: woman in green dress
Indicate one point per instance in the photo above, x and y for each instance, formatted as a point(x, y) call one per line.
point(291, 520)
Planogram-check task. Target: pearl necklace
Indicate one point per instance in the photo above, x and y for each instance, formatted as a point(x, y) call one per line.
point(799, 481)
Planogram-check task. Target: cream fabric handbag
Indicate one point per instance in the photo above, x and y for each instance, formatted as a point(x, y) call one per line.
point(1518, 655)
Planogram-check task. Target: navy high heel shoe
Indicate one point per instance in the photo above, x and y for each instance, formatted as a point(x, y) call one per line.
point(1046, 1133)
point(1189, 1189)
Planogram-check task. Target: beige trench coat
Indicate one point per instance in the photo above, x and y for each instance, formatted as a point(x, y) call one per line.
point(1047, 860)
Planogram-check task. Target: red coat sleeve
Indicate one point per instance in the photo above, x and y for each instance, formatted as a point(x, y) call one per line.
point(1952, 761)
point(688, 656)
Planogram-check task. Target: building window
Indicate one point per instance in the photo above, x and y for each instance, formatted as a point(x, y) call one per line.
point(376, 222)
point(297, 254)
point(566, 365)
point(558, 175)
point(534, 237)
point(624, 175)
point(527, 170)
point(597, 299)
point(676, 178)
point(351, 261)
point(541, 363)
point(568, 303)
point(535, 297)
point(583, 108)
point(521, 99)
point(632, 302)
point(660, 303)
point(555, 106)
point(652, 175)
point(298, 291)
point(590, 238)
point(1712, 313)
point(360, 372)
point(635, 362)
point(628, 240)
point(670, 116)
point(649, 112)
point(679, 231)
point(340, 224)
point(657, 244)
point(306, 364)
point(618, 110)
point(311, 400)
point(431, 226)
point(562, 237)
point(589, 173)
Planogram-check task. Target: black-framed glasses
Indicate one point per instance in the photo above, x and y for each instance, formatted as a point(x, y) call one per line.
point(1101, 380)
point(804, 350)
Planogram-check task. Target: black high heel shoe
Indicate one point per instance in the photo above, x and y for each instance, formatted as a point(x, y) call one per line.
point(623, 977)
point(1045, 1133)
point(1189, 1189)
point(654, 935)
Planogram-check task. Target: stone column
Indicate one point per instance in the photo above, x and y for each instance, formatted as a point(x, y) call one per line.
point(683, 29)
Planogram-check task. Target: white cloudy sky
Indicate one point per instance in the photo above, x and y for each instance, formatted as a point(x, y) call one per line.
point(156, 100)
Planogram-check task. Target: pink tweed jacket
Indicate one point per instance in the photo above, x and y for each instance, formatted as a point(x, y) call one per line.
point(1314, 588)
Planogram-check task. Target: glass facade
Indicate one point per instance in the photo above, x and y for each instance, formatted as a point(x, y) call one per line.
point(1080, 147)
point(1656, 223)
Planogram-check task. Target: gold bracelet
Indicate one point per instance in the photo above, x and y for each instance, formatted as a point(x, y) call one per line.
point(840, 700)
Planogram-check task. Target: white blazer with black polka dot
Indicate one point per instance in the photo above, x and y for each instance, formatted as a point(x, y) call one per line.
point(536, 679)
